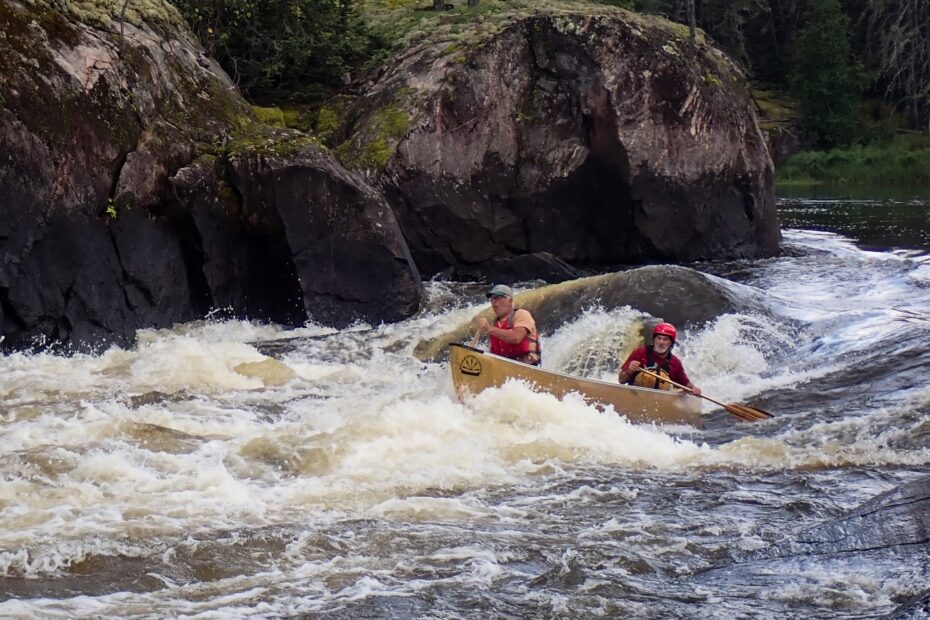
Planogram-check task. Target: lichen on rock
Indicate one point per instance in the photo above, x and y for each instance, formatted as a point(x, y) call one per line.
point(597, 136)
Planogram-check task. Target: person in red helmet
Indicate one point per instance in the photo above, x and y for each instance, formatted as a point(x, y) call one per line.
point(659, 359)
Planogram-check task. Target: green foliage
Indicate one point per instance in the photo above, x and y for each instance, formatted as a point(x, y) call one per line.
point(301, 48)
point(824, 77)
point(899, 163)
point(111, 209)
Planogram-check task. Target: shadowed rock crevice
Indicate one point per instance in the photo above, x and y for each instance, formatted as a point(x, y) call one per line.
point(245, 269)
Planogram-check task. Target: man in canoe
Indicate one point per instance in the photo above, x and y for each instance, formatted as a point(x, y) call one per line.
point(513, 334)
point(657, 358)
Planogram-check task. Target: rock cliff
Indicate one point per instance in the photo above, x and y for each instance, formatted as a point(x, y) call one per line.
point(137, 190)
point(595, 139)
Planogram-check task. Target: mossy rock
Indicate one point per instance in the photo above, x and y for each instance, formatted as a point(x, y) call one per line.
point(159, 14)
point(263, 139)
point(774, 106)
point(330, 119)
point(270, 116)
point(371, 147)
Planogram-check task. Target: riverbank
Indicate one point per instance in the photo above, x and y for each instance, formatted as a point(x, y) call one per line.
point(904, 161)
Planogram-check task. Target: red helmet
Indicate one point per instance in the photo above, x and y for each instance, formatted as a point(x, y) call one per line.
point(665, 329)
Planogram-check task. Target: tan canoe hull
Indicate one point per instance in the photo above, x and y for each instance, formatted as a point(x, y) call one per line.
point(473, 370)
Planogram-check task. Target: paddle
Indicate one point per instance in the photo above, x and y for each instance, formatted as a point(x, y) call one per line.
point(743, 412)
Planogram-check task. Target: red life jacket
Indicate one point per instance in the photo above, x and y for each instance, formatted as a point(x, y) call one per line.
point(527, 350)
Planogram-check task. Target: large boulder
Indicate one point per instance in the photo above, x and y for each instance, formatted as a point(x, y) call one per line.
point(123, 206)
point(680, 295)
point(307, 238)
point(599, 139)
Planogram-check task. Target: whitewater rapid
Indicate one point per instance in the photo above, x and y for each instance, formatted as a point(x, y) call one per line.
point(227, 468)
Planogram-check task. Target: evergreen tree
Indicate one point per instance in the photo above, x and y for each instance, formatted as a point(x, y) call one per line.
point(299, 48)
point(899, 37)
point(824, 77)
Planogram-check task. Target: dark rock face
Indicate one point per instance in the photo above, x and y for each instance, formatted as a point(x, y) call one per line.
point(113, 217)
point(520, 268)
point(71, 114)
point(308, 240)
point(598, 139)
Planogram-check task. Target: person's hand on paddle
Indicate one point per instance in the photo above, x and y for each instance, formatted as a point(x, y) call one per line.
point(482, 325)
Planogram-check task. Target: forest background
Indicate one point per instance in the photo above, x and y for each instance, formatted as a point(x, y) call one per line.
point(842, 85)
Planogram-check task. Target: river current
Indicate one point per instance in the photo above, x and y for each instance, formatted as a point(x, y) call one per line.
point(233, 469)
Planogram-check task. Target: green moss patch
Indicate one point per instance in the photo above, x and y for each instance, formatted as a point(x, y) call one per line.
point(331, 118)
point(775, 107)
point(372, 148)
point(106, 13)
point(262, 139)
point(407, 22)
point(269, 116)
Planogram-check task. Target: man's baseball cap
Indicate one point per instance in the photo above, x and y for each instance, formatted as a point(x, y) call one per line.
point(500, 290)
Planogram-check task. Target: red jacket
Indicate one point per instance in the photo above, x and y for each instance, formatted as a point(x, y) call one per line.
point(675, 369)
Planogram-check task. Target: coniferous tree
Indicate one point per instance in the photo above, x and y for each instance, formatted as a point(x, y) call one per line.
point(899, 33)
point(301, 48)
point(824, 76)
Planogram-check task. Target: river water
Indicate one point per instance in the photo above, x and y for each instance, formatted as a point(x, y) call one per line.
point(233, 469)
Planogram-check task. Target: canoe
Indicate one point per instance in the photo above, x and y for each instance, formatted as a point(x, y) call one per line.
point(474, 370)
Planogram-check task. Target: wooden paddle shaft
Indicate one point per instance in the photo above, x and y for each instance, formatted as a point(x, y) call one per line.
point(687, 389)
point(683, 387)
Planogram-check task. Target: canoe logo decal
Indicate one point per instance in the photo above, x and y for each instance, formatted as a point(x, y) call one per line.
point(470, 366)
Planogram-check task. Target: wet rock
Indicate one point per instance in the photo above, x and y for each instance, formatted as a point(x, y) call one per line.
point(889, 534)
point(342, 239)
point(892, 519)
point(76, 266)
point(512, 269)
point(126, 207)
point(290, 235)
point(680, 295)
point(599, 139)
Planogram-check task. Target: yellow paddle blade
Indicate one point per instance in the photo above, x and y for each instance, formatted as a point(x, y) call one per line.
point(747, 413)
